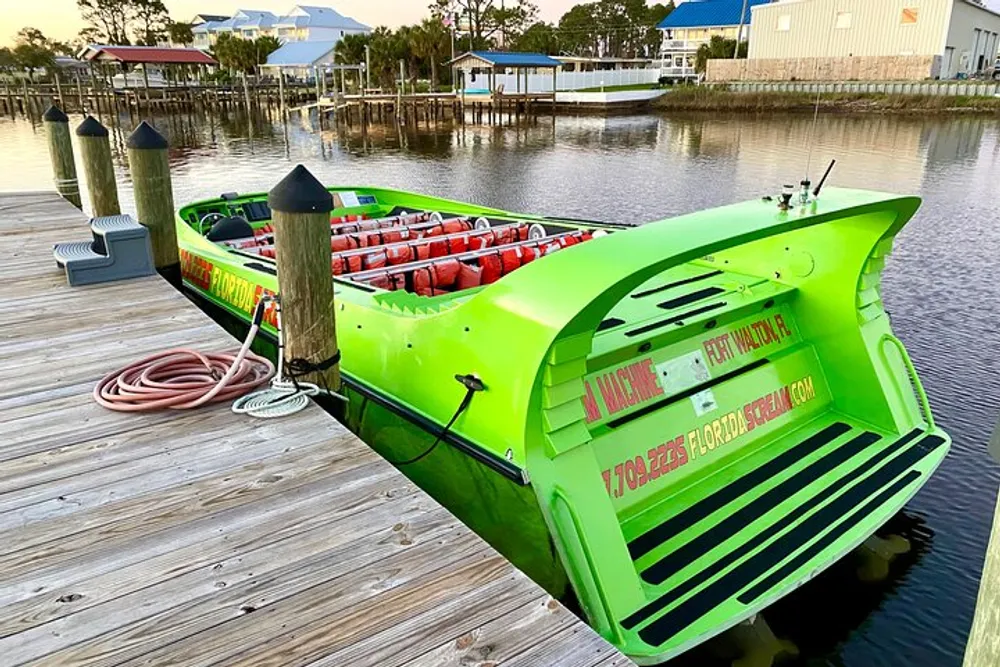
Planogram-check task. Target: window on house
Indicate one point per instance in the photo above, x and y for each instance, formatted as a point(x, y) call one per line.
point(784, 23)
point(909, 15)
point(843, 21)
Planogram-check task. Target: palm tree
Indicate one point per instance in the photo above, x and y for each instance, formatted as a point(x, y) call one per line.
point(351, 49)
point(383, 57)
point(404, 41)
point(430, 42)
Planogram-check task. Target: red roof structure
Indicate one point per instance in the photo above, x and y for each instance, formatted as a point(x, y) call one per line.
point(148, 54)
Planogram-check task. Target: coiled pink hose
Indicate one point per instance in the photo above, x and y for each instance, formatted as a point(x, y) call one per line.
point(182, 378)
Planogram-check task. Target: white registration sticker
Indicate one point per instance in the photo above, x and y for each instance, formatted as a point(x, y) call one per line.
point(681, 373)
point(704, 402)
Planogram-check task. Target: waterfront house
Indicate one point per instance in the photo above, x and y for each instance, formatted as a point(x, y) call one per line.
point(302, 23)
point(694, 23)
point(205, 18)
point(864, 40)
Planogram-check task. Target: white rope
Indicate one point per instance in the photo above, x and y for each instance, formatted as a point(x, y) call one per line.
point(283, 397)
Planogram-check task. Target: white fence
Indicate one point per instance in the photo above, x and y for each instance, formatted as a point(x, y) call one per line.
point(542, 83)
point(967, 88)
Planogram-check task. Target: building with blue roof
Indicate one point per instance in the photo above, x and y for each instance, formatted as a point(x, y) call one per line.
point(694, 23)
point(477, 70)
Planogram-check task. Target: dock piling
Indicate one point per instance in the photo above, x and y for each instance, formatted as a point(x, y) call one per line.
point(98, 167)
point(301, 208)
point(61, 153)
point(154, 197)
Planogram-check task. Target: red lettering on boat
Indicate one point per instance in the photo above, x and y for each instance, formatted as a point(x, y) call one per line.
point(607, 394)
point(590, 409)
point(628, 390)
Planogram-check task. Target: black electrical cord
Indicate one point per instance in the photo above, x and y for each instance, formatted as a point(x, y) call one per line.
point(472, 385)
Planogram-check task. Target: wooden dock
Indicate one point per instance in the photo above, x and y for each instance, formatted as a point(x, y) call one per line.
point(203, 537)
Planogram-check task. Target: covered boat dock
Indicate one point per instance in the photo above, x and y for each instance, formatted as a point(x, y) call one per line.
point(467, 67)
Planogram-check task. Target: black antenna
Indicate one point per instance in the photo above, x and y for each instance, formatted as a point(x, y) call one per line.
point(819, 186)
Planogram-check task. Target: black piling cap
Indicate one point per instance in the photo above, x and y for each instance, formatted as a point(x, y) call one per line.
point(55, 115)
point(146, 137)
point(300, 192)
point(91, 127)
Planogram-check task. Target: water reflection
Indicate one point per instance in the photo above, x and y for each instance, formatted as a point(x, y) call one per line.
point(939, 284)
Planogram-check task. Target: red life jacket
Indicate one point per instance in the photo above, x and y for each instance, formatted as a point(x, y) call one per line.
point(392, 236)
point(423, 280)
point(375, 260)
point(438, 248)
point(445, 272)
point(342, 243)
point(492, 268)
point(468, 276)
point(510, 259)
point(399, 254)
point(458, 245)
point(455, 226)
point(480, 241)
point(382, 282)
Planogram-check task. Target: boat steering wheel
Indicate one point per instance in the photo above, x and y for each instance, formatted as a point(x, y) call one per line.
point(209, 219)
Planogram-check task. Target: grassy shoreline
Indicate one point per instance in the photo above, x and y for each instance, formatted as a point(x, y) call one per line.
point(701, 98)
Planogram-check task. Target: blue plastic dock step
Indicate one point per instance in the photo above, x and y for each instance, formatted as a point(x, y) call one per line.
point(120, 249)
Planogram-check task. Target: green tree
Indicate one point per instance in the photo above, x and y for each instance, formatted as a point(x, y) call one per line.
point(488, 19)
point(86, 36)
point(578, 32)
point(243, 55)
point(32, 36)
point(8, 62)
point(148, 19)
point(350, 50)
point(612, 28)
point(431, 43)
point(717, 47)
point(35, 37)
point(539, 38)
point(31, 57)
point(385, 54)
point(110, 19)
point(180, 33)
point(656, 13)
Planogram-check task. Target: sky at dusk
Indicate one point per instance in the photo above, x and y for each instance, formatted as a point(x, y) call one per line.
point(59, 19)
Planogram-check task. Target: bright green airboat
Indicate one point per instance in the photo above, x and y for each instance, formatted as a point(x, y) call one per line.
point(681, 421)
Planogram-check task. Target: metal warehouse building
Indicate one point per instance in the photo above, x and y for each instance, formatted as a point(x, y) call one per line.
point(868, 40)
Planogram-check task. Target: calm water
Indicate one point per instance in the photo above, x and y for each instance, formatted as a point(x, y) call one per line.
point(940, 283)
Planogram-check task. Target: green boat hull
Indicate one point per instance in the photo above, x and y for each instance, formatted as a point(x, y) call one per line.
point(682, 421)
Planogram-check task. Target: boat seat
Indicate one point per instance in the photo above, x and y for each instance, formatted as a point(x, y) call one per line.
point(467, 269)
point(119, 249)
point(256, 211)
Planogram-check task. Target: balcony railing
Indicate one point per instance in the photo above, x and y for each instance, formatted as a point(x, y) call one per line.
point(681, 44)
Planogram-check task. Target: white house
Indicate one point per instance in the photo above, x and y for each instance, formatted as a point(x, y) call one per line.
point(302, 23)
point(694, 23)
